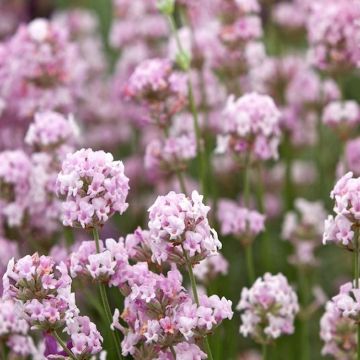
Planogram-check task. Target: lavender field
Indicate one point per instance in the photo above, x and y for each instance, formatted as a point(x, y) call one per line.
point(179, 179)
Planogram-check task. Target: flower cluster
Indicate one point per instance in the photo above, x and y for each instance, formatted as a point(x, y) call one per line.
point(159, 88)
point(50, 130)
point(15, 169)
point(339, 229)
point(241, 222)
point(342, 116)
point(42, 288)
point(85, 338)
point(347, 302)
point(109, 265)
point(210, 268)
point(303, 228)
point(352, 156)
point(338, 333)
point(170, 155)
point(179, 229)
point(268, 308)
point(333, 32)
point(93, 186)
point(250, 127)
point(160, 313)
point(42, 68)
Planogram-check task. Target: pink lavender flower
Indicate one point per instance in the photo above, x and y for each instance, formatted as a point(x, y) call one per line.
point(338, 334)
point(9, 250)
point(303, 228)
point(156, 85)
point(109, 265)
point(42, 69)
point(183, 350)
point(339, 229)
point(333, 32)
point(343, 116)
point(250, 126)
point(210, 268)
point(42, 289)
point(169, 156)
point(347, 302)
point(268, 309)
point(179, 228)
point(93, 187)
point(85, 338)
point(241, 222)
point(11, 322)
point(15, 169)
point(352, 156)
point(50, 129)
point(159, 312)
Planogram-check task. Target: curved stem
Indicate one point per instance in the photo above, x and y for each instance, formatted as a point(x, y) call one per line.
point(63, 345)
point(105, 302)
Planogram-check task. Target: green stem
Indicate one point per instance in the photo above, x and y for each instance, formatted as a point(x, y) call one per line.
point(196, 296)
point(250, 263)
point(289, 189)
point(304, 328)
point(356, 276)
point(173, 352)
point(105, 301)
point(194, 112)
point(248, 247)
point(264, 352)
point(181, 180)
point(63, 345)
point(2, 351)
point(266, 256)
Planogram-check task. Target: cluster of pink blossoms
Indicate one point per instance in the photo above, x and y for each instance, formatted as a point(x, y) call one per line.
point(179, 229)
point(342, 116)
point(159, 88)
point(14, 330)
point(15, 170)
point(50, 130)
point(352, 156)
point(303, 228)
point(93, 186)
point(42, 290)
point(159, 312)
point(41, 67)
point(250, 127)
point(239, 221)
point(268, 308)
point(209, 268)
point(170, 155)
point(333, 31)
point(339, 229)
point(338, 334)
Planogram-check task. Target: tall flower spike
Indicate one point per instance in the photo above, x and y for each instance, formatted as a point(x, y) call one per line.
point(93, 187)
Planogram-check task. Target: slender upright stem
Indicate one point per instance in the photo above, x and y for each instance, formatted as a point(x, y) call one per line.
point(63, 345)
point(173, 352)
point(196, 296)
point(304, 325)
point(250, 263)
point(289, 189)
point(105, 301)
point(181, 180)
point(356, 280)
point(2, 351)
point(264, 352)
point(194, 112)
point(246, 196)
